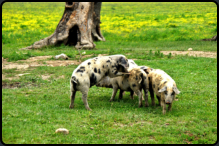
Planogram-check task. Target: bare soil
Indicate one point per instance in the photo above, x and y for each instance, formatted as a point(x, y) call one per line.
point(10, 85)
point(192, 53)
point(36, 61)
point(43, 61)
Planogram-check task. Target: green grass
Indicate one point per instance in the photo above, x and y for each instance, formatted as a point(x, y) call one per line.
point(32, 112)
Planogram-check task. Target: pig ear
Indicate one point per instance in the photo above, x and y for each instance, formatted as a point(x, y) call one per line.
point(123, 62)
point(146, 69)
point(141, 77)
point(163, 89)
point(176, 90)
point(126, 75)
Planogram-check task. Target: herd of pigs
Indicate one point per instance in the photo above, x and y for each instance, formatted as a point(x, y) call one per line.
point(118, 72)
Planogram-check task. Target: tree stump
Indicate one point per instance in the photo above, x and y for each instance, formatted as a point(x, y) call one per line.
point(214, 38)
point(79, 26)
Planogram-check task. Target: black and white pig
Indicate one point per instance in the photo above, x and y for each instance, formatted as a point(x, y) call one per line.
point(91, 71)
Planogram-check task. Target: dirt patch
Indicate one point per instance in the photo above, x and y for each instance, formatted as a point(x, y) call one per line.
point(192, 53)
point(37, 58)
point(36, 61)
point(9, 78)
point(6, 85)
point(39, 61)
point(14, 85)
point(46, 77)
point(102, 55)
point(42, 61)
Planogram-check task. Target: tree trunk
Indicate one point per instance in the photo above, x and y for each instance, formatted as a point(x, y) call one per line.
point(214, 38)
point(79, 26)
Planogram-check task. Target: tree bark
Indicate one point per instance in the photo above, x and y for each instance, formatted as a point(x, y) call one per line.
point(79, 26)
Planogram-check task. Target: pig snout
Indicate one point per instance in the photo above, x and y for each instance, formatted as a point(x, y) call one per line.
point(168, 101)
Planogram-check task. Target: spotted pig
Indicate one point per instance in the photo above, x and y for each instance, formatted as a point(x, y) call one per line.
point(107, 81)
point(91, 71)
point(133, 82)
point(164, 87)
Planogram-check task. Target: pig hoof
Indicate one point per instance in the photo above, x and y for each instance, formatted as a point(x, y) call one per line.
point(88, 109)
point(71, 106)
point(139, 105)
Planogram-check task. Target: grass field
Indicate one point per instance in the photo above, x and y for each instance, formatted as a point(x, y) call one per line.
point(32, 112)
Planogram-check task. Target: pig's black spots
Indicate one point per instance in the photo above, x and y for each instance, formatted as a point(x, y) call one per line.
point(93, 79)
point(116, 72)
point(108, 61)
point(73, 78)
point(95, 70)
point(88, 63)
point(165, 82)
point(136, 78)
point(173, 94)
point(103, 66)
point(117, 66)
point(81, 69)
point(106, 73)
point(133, 85)
point(99, 71)
point(149, 78)
point(122, 60)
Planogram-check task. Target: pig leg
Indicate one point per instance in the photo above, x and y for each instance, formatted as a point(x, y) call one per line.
point(146, 96)
point(152, 95)
point(115, 89)
point(84, 98)
point(158, 100)
point(163, 105)
point(152, 100)
point(121, 94)
point(132, 95)
point(142, 95)
point(170, 107)
point(72, 97)
point(139, 97)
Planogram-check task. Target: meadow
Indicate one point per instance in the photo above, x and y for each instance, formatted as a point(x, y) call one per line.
point(32, 112)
